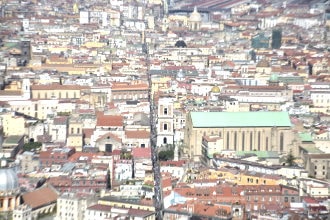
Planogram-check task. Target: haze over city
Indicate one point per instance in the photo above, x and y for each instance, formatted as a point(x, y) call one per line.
point(164, 109)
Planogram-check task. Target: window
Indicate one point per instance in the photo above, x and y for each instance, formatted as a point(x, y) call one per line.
point(227, 140)
point(165, 140)
point(281, 141)
point(259, 140)
point(251, 141)
point(243, 140)
point(235, 140)
point(165, 127)
point(286, 199)
point(165, 112)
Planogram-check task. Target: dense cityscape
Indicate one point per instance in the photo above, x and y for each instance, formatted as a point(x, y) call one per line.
point(164, 109)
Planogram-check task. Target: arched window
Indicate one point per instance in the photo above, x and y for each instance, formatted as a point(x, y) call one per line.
point(165, 127)
point(281, 141)
point(235, 140)
point(165, 140)
point(259, 140)
point(243, 140)
point(251, 141)
point(227, 140)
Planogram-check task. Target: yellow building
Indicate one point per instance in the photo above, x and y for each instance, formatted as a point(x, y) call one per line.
point(75, 134)
point(57, 91)
point(160, 84)
point(241, 178)
point(12, 124)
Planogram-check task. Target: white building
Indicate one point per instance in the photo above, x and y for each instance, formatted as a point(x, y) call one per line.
point(165, 122)
point(71, 206)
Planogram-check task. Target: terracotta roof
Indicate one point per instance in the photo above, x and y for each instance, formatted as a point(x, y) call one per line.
point(99, 207)
point(109, 120)
point(127, 87)
point(40, 197)
point(88, 132)
point(141, 153)
point(166, 182)
point(138, 134)
point(139, 212)
point(56, 86)
point(61, 120)
point(60, 181)
point(173, 163)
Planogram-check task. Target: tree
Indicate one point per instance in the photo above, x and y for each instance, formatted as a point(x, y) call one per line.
point(31, 146)
point(166, 155)
point(290, 159)
point(125, 154)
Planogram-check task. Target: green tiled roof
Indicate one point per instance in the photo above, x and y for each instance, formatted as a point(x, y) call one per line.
point(306, 137)
point(240, 119)
point(13, 139)
point(259, 154)
point(312, 149)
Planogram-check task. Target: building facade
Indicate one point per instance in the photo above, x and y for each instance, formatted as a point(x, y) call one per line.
point(268, 131)
point(165, 122)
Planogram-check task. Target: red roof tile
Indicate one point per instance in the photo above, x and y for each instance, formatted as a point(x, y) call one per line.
point(137, 134)
point(141, 153)
point(109, 120)
point(88, 132)
point(40, 197)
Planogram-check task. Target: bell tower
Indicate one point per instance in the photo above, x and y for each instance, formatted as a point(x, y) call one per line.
point(165, 123)
point(26, 89)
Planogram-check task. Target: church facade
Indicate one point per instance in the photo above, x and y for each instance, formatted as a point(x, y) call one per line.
point(239, 131)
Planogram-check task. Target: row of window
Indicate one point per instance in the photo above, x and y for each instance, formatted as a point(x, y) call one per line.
point(59, 95)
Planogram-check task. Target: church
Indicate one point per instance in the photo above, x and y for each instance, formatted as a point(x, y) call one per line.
point(239, 131)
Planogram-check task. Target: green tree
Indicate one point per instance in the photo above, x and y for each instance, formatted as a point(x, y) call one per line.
point(31, 146)
point(125, 154)
point(166, 155)
point(290, 159)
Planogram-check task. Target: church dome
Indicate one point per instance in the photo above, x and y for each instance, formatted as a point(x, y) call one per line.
point(9, 179)
point(195, 16)
point(215, 89)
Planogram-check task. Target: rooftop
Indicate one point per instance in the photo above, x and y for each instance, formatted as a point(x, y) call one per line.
point(240, 119)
